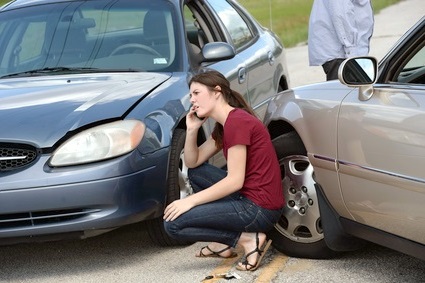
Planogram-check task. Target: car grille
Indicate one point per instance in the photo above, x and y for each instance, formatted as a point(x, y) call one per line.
point(29, 219)
point(13, 156)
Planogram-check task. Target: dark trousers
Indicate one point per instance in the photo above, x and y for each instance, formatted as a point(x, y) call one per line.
point(331, 68)
point(222, 220)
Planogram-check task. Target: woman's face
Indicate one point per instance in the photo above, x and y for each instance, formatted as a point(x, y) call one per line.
point(202, 99)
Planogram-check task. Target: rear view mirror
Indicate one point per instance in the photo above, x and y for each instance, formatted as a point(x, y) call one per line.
point(358, 71)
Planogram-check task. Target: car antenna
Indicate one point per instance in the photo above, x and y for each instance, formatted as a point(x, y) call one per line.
point(270, 11)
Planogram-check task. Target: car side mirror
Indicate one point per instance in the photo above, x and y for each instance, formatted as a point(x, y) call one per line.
point(358, 71)
point(217, 51)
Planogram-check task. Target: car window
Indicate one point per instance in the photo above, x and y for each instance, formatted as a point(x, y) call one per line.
point(32, 44)
point(137, 35)
point(235, 24)
point(194, 32)
point(413, 70)
point(200, 27)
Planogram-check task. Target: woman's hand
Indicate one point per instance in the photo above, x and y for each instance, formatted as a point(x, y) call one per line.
point(193, 121)
point(177, 208)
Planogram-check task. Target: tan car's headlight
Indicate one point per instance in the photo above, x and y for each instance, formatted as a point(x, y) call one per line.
point(99, 143)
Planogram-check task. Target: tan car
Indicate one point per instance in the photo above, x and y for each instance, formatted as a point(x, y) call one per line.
point(352, 154)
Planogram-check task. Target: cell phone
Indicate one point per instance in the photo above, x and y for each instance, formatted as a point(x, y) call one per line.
point(196, 114)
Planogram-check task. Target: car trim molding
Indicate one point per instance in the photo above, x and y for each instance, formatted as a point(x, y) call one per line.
point(400, 176)
point(388, 173)
point(13, 157)
point(324, 158)
point(352, 165)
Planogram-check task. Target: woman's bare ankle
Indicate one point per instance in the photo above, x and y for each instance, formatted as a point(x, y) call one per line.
point(249, 242)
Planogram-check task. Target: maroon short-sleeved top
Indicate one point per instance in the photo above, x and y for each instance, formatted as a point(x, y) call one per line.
point(262, 177)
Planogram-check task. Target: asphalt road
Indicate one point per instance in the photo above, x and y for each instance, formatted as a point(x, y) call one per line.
point(128, 255)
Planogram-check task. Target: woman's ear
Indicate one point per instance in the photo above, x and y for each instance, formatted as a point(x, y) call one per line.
point(217, 90)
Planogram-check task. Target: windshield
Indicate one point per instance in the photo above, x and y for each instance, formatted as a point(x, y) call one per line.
point(105, 35)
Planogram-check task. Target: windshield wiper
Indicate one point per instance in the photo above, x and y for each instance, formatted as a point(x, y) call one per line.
point(61, 70)
point(50, 70)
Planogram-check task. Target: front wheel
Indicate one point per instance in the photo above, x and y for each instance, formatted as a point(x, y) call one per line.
point(177, 187)
point(299, 231)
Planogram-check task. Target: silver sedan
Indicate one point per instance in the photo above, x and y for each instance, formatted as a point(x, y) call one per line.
point(352, 153)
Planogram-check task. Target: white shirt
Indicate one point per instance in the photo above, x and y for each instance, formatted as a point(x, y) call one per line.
point(339, 29)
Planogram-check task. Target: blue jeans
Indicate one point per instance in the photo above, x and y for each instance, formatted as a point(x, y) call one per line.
point(223, 220)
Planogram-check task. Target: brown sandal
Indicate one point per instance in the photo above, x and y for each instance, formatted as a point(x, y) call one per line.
point(216, 254)
point(246, 265)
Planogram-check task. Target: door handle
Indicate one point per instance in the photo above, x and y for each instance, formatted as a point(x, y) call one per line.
point(242, 75)
point(271, 58)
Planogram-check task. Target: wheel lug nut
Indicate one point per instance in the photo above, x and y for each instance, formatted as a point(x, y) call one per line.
point(304, 189)
point(302, 210)
point(292, 190)
point(291, 203)
point(310, 201)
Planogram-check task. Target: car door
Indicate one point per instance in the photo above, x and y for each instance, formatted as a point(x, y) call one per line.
point(381, 147)
point(205, 18)
point(254, 49)
point(203, 25)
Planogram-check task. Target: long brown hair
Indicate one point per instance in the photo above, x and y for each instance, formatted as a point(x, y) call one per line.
point(211, 79)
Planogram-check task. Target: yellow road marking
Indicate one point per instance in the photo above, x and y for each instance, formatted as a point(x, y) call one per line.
point(271, 269)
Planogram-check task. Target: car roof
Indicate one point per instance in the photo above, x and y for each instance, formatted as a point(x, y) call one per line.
point(19, 3)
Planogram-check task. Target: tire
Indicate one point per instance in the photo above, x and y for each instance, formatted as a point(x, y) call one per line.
point(177, 187)
point(299, 232)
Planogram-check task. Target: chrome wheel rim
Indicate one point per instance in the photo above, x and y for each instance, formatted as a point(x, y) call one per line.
point(300, 220)
point(184, 184)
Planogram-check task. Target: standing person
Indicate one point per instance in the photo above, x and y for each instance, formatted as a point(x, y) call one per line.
point(338, 29)
point(237, 206)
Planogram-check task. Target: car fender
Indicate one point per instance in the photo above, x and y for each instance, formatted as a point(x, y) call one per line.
point(315, 121)
point(285, 109)
point(162, 114)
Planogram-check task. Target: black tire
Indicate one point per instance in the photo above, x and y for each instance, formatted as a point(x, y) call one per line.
point(299, 231)
point(177, 186)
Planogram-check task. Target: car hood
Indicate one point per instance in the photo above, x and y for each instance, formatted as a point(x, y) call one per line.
point(326, 85)
point(41, 110)
point(322, 91)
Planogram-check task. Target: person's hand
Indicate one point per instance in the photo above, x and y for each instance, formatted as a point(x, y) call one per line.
point(193, 121)
point(176, 208)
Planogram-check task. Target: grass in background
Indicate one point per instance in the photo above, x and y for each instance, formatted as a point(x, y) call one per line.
point(289, 18)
